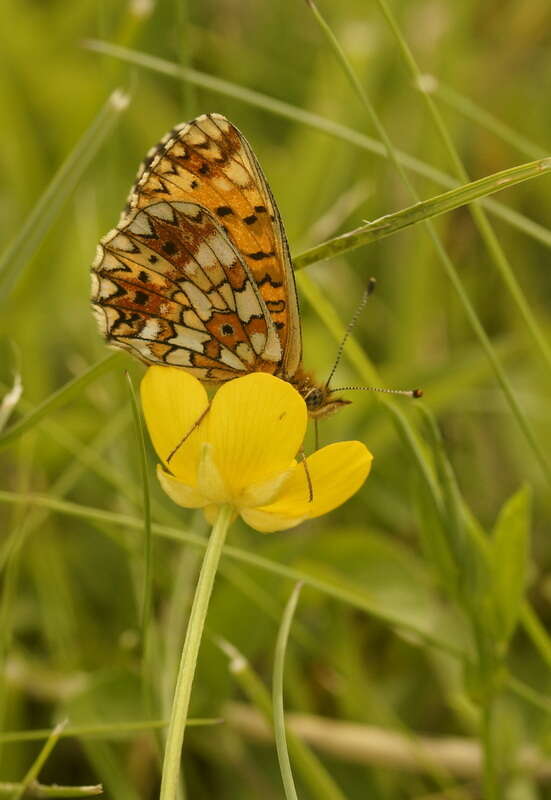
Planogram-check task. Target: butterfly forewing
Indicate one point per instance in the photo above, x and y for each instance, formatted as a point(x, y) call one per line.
point(169, 285)
point(209, 163)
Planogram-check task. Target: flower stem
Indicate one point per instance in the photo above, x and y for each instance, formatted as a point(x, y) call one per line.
point(188, 661)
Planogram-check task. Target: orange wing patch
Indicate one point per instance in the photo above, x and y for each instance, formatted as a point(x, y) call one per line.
point(169, 286)
point(209, 163)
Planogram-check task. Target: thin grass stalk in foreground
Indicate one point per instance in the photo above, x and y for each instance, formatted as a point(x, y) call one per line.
point(447, 263)
point(188, 662)
point(277, 696)
point(314, 121)
point(35, 227)
point(346, 593)
point(350, 595)
point(313, 773)
point(421, 212)
point(495, 250)
point(148, 539)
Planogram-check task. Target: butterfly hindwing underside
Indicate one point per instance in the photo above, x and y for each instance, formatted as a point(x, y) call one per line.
point(197, 273)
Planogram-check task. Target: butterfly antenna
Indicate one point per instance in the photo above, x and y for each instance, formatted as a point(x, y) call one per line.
point(414, 393)
point(350, 327)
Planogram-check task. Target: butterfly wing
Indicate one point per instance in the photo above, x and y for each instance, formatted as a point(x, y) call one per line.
point(208, 162)
point(169, 286)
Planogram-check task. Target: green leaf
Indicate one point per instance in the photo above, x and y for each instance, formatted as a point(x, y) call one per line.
point(510, 541)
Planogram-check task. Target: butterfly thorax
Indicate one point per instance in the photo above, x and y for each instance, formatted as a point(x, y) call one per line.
point(319, 399)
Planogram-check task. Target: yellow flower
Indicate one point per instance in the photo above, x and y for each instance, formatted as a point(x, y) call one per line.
point(242, 451)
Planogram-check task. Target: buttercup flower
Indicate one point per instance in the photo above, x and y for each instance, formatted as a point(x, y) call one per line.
point(242, 450)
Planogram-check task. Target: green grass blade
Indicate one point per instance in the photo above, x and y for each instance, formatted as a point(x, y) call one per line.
point(109, 730)
point(148, 539)
point(537, 632)
point(277, 696)
point(39, 761)
point(495, 250)
point(315, 121)
point(510, 543)
point(348, 594)
point(37, 224)
point(11, 790)
point(312, 771)
point(474, 113)
point(63, 395)
point(421, 211)
point(447, 264)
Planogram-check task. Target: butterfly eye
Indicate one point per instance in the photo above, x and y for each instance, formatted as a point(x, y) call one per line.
point(314, 399)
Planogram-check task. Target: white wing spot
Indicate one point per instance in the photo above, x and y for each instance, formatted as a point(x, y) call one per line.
point(247, 303)
point(189, 339)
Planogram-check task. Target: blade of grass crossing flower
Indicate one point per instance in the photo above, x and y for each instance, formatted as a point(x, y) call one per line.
point(182, 694)
point(335, 129)
point(312, 772)
point(58, 398)
point(447, 264)
point(421, 211)
point(35, 227)
point(277, 696)
point(39, 761)
point(481, 221)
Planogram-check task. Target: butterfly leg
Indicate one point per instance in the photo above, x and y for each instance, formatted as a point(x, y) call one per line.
point(188, 434)
point(302, 458)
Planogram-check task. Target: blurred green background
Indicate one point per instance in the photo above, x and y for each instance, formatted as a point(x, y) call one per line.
point(69, 611)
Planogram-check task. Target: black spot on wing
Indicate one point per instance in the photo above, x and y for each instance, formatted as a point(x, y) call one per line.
point(267, 279)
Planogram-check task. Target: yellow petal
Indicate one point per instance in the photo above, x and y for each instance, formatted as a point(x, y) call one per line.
point(178, 491)
point(256, 425)
point(265, 522)
point(336, 472)
point(209, 480)
point(173, 402)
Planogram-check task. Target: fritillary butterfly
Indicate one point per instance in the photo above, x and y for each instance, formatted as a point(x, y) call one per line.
point(197, 274)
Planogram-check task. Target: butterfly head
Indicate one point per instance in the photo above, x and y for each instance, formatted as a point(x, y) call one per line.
point(320, 400)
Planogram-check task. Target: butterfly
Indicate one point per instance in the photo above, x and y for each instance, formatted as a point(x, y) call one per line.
point(197, 274)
